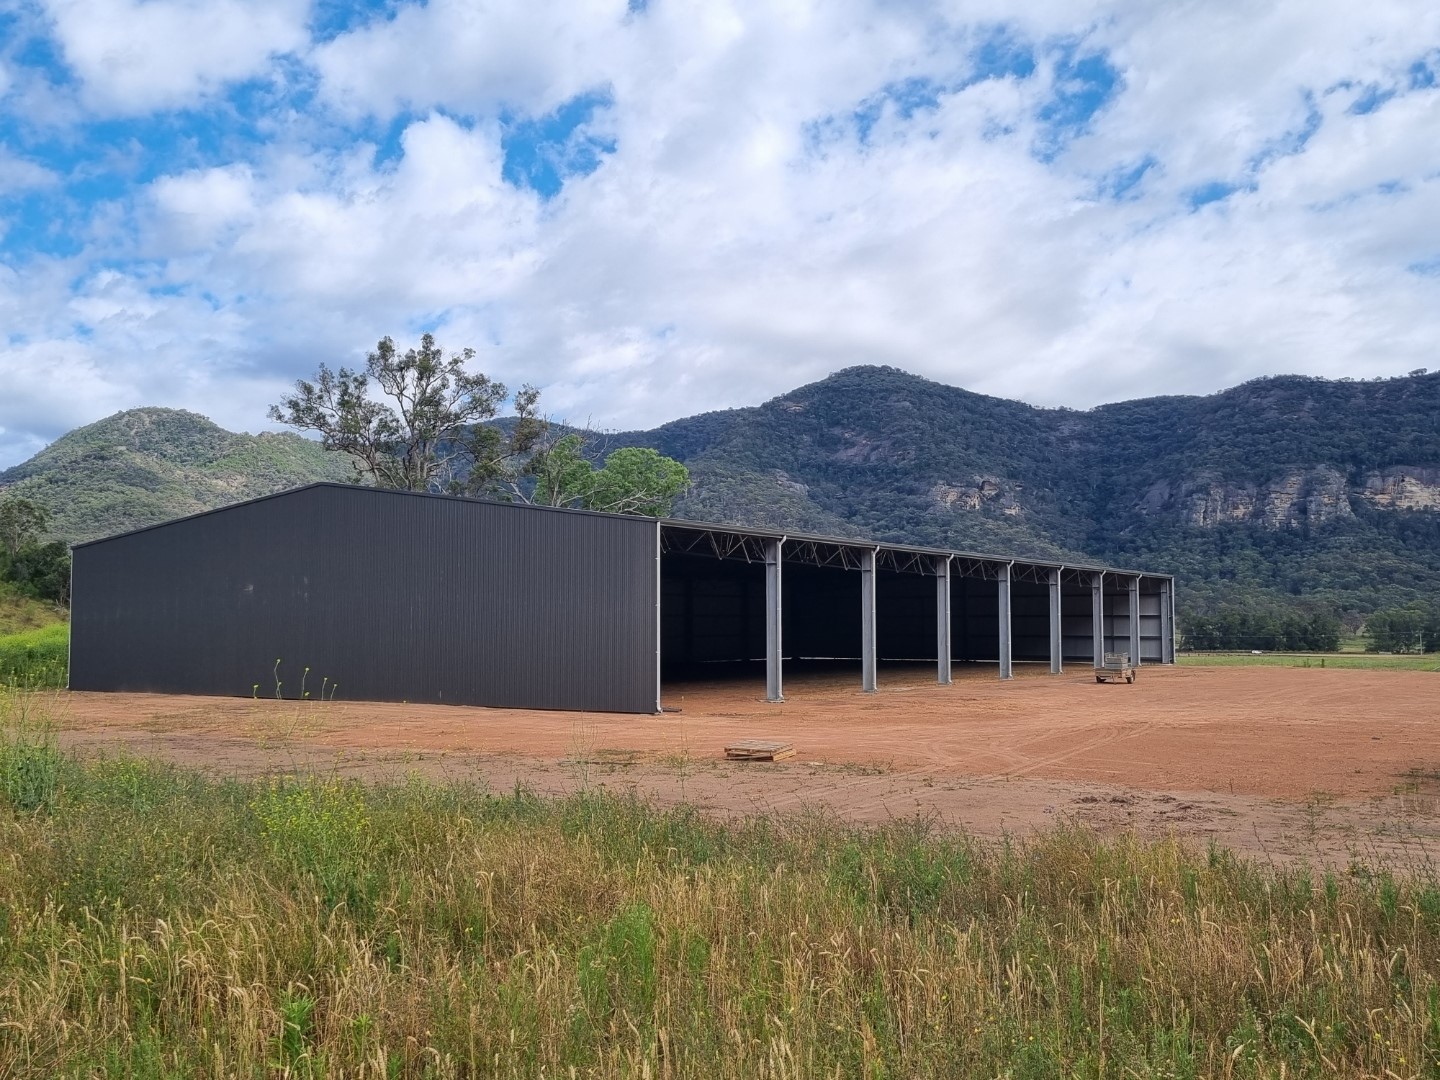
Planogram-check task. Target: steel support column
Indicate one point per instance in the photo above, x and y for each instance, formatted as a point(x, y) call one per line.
point(1167, 624)
point(1003, 585)
point(1135, 621)
point(867, 621)
point(1097, 617)
point(942, 620)
point(774, 623)
point(1057, 642)
point(1174, 624)
point(659, 620)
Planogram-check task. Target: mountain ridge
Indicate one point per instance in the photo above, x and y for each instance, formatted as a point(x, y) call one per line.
point(143, 466)
point(1286, 490)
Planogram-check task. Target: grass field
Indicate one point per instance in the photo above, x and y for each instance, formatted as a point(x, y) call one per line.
point(1394, 661)
point(35, 659)
point(19, 612)
point(168, 925)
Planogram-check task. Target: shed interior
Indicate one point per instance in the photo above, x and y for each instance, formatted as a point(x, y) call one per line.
point(713, 617)
point(714, 608)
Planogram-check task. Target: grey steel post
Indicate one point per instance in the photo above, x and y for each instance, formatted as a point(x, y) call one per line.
point(1167, 625)
point(1135, 621)
point(1174, 624)
point(1057, 642)
point(774, 624)
point(659, 624)
point(1097, 617)
point(867, 621)
point(1006, 666)
point(942, 620)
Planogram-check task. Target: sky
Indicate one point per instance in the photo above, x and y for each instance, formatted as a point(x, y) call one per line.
point(659, 207)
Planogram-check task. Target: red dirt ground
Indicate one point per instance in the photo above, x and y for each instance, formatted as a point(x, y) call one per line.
point(1292, 762)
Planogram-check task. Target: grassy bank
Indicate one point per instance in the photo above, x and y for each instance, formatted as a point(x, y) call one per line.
point(1389, 661)
point(19, 612)
point(35, 658)
point(157, 924)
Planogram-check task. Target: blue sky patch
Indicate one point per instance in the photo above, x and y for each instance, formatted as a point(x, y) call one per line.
point(41, 53)
point(40, 224)
point(331, 18)
point(389, 139)
point(1426, 267)
point(1370, 99)
point(903, 98)
point(542, 153)
point(1003, 54)
point(1123, 181)
point(1214, 191)
point(1290, 142)
point(107, 160)
point(1084, 84)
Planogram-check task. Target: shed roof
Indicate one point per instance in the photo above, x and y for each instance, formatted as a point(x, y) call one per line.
point(711, 529)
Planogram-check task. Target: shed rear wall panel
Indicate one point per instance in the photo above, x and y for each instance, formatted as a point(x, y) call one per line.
point(392, 598)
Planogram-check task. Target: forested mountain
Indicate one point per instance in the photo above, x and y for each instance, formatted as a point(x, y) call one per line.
point(1282, 491)
point(147, 465)
point(1279, 489)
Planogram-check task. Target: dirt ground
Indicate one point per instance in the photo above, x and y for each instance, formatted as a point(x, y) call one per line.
point(1325, 765)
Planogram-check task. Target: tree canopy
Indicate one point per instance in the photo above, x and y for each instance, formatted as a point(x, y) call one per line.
point(421, 440)
point(21, 522)
point(633, 479)
point(37, 568)
point(434, 431)
point(1414, 628)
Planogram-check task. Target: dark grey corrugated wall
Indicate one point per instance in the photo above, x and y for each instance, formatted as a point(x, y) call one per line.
point(395, 597)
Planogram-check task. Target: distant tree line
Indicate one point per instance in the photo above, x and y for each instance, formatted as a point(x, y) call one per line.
point(1268, 630)
point(31, 565)
point(1411, 629)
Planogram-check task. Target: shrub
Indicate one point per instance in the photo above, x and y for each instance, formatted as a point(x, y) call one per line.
point(36, 659)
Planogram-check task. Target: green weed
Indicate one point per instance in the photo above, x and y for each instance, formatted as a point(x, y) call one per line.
point(35, 659)
point(29, 757)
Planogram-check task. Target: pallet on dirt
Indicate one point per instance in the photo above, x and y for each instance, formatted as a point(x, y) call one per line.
point(1117, 666)
point(759, 750)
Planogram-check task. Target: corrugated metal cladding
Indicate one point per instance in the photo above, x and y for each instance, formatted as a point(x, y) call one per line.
point(394, 597)
point(1117, 624)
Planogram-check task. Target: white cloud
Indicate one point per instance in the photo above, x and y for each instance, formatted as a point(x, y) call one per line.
point(133, 56)
point(457, 53)
point(19, 174)
point(50, 387)
point(742, 238)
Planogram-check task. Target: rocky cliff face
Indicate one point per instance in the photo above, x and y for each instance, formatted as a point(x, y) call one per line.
point(1402, 487)
point(977, 493)
point(1292, 498)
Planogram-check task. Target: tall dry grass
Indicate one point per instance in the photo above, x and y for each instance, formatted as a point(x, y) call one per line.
point(157, 924)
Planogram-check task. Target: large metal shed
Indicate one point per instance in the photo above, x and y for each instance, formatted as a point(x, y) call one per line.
point(395, 596)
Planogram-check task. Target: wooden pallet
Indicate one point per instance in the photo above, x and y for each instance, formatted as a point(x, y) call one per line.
point(759, 750)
